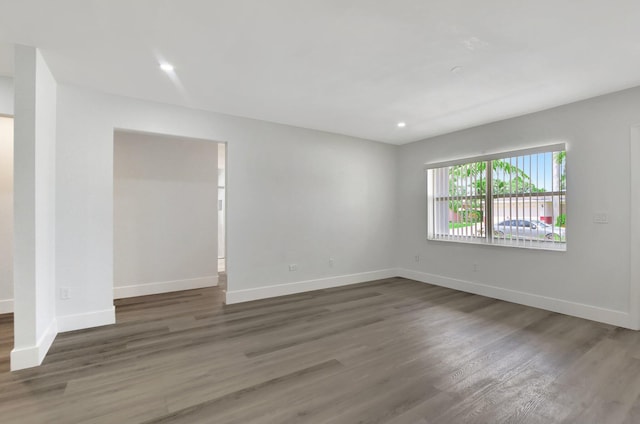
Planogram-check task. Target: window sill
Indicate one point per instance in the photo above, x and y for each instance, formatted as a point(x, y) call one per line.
point(518, 244)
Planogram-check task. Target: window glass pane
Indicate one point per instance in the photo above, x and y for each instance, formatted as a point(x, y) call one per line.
point(529, 198)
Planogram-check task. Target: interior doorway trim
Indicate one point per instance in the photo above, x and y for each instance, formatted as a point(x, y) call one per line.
point(634, 225)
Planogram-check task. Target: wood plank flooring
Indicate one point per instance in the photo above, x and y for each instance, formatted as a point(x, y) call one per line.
point(389, 351)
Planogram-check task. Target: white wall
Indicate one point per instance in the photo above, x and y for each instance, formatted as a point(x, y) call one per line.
point(6, 196)
point(295, 196)
point(6, 215)
point(34, 208)
point(6, 96)
point(591, 279)
point(165, 214)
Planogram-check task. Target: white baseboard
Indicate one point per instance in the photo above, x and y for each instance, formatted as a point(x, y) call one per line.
point(87, 320)
point(6, 306)
point(32, 356)
point(246, 295)
point(120, 292)
point(594, 313)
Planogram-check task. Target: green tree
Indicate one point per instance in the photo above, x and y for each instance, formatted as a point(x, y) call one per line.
point(560, 158)
point(470, 180)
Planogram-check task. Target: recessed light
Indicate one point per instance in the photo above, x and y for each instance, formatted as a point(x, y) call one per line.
point(167, 67)
point(402, 124)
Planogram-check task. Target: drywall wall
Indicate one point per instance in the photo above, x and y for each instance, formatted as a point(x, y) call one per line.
point(591, 279)
point(165, 214)
point(295, 196)
point(34, 208)
point(6, 96)
point(6, 215)
point(6, 195)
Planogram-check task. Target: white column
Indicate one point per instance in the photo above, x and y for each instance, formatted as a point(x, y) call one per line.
point(34, 208)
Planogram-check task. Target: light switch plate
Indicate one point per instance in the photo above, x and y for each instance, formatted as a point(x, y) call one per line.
point(600, 218)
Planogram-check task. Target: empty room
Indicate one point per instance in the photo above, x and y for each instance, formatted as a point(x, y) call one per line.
point(285, 211)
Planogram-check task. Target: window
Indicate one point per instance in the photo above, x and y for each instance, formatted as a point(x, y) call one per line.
point(510, 199)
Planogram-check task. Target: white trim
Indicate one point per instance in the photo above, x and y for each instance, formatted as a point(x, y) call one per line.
point(246, 295)
point(87, 320)
point(508, 243)
point(32, 356)
point(120, 292)
point(634, 226)
point(557, 147)
point(609, 316)
point(6, 306)
point(163, 135)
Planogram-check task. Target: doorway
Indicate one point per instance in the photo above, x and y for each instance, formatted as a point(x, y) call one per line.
point(168, 231)
point(6, 241)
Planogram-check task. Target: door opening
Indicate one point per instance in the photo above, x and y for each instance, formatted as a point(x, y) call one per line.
point(166, 208)
point(6, 240)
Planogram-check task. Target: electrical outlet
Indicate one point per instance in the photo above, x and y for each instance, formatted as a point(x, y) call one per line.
point(331, 262)
point(417, 258)
point(475, 267)
point(65, 293)
point(293, 267)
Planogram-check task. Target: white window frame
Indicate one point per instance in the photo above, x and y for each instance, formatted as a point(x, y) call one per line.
point(488, 237)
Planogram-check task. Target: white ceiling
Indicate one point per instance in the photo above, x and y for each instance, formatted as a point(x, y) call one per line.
point(354, 67)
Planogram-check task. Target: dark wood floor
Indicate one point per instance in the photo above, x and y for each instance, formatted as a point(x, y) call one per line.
point(390, 351)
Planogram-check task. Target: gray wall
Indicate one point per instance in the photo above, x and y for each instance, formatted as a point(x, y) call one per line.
point(295, 196)
point(6, 96)
point(592, 278)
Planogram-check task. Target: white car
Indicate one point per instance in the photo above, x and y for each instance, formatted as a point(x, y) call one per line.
point(524, 229)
